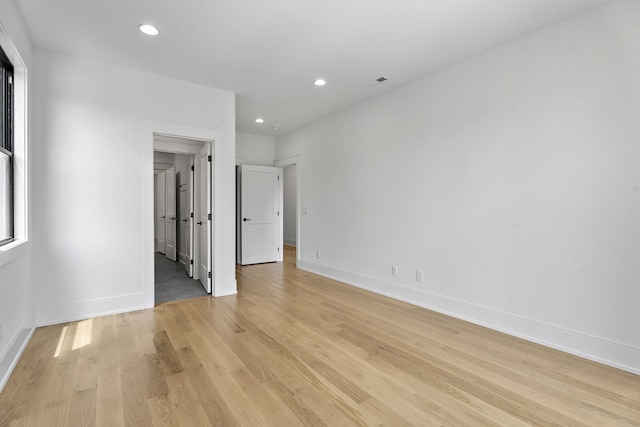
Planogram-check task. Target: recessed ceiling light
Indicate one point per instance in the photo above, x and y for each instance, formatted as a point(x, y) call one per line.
point(259, 120)
point(275, 128)
point(320, 82)
point(148, 29)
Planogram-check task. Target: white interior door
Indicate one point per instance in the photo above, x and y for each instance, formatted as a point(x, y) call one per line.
point(260, 207)
point(171, 213)
point(188, 224)
point(161, 212)
point(204, 216)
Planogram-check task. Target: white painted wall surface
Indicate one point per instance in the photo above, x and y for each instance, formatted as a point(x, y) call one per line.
point(91, 216)
point(289, 202)
point(16, 297)
point(511, 179)
point(254, 149)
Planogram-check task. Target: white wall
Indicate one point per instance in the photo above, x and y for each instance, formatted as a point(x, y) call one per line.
point(289, 196)
point(16, 296)
point(254, 149)
point(511, 179)
point(92, 173)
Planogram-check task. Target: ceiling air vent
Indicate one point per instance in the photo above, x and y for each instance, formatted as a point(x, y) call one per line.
point(378, 81)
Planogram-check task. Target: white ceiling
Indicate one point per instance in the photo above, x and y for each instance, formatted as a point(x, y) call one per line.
point(270, 51)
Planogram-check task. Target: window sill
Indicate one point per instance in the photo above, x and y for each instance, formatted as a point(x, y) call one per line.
point(13, 250)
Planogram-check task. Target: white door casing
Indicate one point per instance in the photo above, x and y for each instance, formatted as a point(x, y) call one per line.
point(297, 161)
point(260, 207)
point(280, 204)
point(204, 218)
point(171, 213)
point(161, 210)
point(223, 281)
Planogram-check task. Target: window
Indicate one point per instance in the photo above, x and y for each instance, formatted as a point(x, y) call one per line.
point(6, 149)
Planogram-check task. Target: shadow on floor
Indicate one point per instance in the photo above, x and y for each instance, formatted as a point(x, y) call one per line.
point(172, 282)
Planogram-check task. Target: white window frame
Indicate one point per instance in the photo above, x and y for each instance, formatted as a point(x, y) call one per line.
point(20, 243)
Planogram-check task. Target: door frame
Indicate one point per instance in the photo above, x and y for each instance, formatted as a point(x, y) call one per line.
point(283, 163)
point(242, 227)
point(152, 128)
point(198, 210)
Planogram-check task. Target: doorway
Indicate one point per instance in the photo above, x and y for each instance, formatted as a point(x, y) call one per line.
point(183, 138)
point(292, 171)
point(290, 203)
point(183, 232)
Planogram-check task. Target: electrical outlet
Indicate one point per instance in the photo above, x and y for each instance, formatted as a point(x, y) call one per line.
point(317, 253)
point(394, 270)
point(419, 276)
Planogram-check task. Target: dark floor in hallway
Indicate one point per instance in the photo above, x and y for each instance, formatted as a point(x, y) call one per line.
point(172, 282)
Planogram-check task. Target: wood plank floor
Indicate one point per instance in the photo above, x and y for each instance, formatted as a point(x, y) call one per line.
point(295, 349)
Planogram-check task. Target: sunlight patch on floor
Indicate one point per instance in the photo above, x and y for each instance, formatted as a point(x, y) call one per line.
point(83, 334)
point(63, 334)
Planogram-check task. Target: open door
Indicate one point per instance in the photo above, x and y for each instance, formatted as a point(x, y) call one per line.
point(171, 213)
point(161, 211)
point(204, 217)
point(188, 224)
point(260, 214)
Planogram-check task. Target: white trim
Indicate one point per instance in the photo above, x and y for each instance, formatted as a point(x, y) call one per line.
point(215, 136)
point(71, 312)
point(12, 250)
point(182, 258)
point(171, 139)
point(601, 350)
point(280, 254)
point(178, 146)
point(287, 161)
point(10, 358)
point(229, 287)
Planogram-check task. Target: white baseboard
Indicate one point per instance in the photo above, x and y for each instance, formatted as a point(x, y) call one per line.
point(226, 288)
point(600, 350)
point(183, 258)
point(226, 294)
point(55, 314)
point(12, 355)
point(289, 242)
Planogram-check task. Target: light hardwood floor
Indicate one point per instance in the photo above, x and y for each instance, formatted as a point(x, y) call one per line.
point(295, 349)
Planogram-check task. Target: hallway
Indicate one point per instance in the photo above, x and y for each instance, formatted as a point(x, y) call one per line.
point(172, 282)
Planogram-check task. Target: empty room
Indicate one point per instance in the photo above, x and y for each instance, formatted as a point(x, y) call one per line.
point(420, 213)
